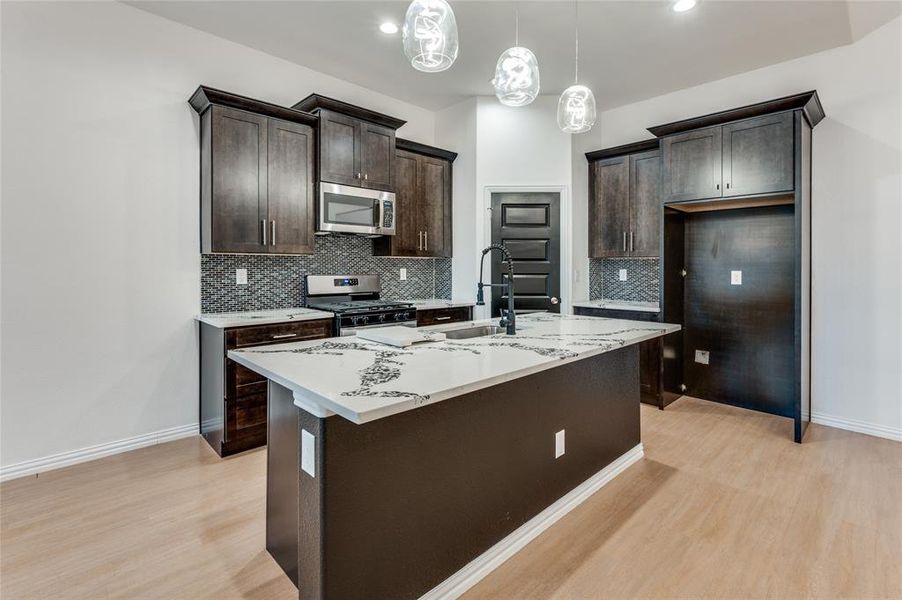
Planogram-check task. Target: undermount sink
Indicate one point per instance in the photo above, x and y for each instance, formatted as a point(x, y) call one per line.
point(472, 332)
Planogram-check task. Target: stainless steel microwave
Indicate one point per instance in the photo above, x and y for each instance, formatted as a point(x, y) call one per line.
point(349, 209)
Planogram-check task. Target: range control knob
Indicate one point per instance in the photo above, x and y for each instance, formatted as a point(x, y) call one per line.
point(355, 320)
point(364, 320)
point(381, 318)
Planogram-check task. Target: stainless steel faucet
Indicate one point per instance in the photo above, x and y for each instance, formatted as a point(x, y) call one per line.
point(508, 318)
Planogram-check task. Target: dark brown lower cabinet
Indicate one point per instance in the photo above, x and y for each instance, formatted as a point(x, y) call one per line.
point(651, 368)
point(440, 316)
point(233, 398)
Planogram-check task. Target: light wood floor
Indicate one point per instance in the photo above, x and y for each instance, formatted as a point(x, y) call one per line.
point(724, 505)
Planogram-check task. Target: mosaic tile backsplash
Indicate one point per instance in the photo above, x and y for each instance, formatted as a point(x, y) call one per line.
point(278, 281)
point(641, 284)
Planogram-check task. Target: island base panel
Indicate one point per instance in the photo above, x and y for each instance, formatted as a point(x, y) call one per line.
point(399, 504)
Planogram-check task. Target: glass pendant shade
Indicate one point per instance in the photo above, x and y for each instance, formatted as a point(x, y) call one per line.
point(576, 109)
point(430, 35)
point(516, 77)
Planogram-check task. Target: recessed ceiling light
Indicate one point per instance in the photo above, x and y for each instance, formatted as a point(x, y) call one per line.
point(390, 28)
point(683, 5)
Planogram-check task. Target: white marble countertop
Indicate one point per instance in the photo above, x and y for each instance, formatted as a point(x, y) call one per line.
point(434, 303)
point(620, 305)
point(363, 380)
point(262, 317)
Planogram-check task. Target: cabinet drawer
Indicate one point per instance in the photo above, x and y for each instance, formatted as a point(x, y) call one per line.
point(250, 411)
point(242, 337)
point(608, 313)
point(443, 315)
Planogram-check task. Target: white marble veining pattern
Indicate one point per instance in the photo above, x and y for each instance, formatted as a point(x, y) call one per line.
point(620, 305)
point(262, 317)
point(363, 380)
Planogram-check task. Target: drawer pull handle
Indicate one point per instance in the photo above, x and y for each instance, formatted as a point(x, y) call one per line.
point(282, 336)
point(442, 318)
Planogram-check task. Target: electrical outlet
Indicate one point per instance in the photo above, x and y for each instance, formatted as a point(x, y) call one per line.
point(308, 453)
point(559, 444)
point(403, 274)
point(735, 277)
point(622, 275)
point(241, 276)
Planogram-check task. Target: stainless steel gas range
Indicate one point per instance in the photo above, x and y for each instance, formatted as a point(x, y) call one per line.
point(355, 301)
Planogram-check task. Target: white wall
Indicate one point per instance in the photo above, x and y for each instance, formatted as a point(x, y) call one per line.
point(515, 147)
point(100, 260)
point(857, 211)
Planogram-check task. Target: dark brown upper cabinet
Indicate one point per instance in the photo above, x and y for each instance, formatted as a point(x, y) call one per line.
point(692, 165)
point(625, 208)
point(257, 186)
point(737, 153)
point(357, 145)
point(758, 155)
point(423, 202)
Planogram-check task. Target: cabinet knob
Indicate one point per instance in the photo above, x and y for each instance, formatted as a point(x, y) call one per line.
point(554, 300)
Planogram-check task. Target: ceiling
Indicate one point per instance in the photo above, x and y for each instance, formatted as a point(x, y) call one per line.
point(629, 50)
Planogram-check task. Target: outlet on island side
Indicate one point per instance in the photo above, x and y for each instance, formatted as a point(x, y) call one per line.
point(559, 443)
point(241, 276)
point(622, 275)
point(403, 274)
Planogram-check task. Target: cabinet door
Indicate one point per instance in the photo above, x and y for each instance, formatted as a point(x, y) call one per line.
point(339, 155)
point(646, 208)
point(758, 156)
point(377, 152)
point(435, 206)
point(609, 209)
point(238, 196)
point(407, 238)
point(290, 188)
point(692, 165)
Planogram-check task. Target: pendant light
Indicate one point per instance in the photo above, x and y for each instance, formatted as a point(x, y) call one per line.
point(576, 107)
point(430, 35)
point(516, 79)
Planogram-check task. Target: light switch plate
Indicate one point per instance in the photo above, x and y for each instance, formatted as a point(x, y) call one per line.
point(559, 444)
point(622, 275)
point(308, 453)
point(735, 277)
point(702, 357)
point(241, 276)
point(403, 274)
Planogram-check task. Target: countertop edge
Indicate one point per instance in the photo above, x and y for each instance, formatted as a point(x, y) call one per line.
point(224, 323)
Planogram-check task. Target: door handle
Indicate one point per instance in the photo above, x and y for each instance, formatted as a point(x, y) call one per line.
point(263, 224)
point(419, 240)
point(624, 241)
point(273, 240)
point(632, 247)
point(283, 336)
point(426, 241)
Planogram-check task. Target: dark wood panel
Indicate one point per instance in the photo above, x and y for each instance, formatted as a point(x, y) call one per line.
point(377, 156)
point(241, 381)
point(239, 191)
point(758, 155)
point(442, 316)
point(339, 155)
point(802, 309)
point(317, 103)
point(407, 240)
point(524, 216)
point(748, 329)
point(240, 337)
point(435, 200)
point(609, 208)
point(672, 295)
point(643, 146)
point(807, 102)
point(290, 188)
point(524, 249)
point(424, 150)
point(282, 472)
point(692, 165)
point(646, 206)
point(204, 97)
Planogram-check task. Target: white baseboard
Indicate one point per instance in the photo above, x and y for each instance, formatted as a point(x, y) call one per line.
point(474, 571)
point(890, 433)
point(65, 459)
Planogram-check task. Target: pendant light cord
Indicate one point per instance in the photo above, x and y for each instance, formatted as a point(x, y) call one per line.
point(576, 27)
point(517, 26)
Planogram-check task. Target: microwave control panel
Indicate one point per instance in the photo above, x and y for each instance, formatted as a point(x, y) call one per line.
point(388, 214)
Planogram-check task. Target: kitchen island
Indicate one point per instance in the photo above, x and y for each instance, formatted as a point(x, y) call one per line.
point(390, 469)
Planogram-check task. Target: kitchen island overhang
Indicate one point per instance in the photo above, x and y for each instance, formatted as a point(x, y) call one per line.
point(454, 451)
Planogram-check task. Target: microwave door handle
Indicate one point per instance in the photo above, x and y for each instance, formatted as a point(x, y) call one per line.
point(377, 214)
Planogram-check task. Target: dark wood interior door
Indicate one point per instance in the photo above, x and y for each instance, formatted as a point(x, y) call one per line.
point(528, 225)
point(758, 155)
point(239, 149)
point(377, 156)
point(692, 165)
point(435, 206)
point(406, 241)
point(609, 208)
point(646, 208)
point(290, 188)
point(339, 155)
